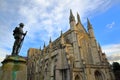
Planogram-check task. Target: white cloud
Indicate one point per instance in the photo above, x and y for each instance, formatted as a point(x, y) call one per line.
point(3, 53)
point(42, 18)
point(111, 25)
point(56, 12)
point(113, 52)
point(114, 57)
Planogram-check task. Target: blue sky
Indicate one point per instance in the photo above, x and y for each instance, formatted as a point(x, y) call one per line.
point(46, 18)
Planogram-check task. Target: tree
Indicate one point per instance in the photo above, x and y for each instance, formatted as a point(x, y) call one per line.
point(116, 66)
point(116, 70)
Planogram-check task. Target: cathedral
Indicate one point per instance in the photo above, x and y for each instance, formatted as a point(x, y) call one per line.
point(74, 55)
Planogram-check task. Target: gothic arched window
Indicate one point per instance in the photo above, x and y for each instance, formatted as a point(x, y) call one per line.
point(77, 77)
point(98, 75)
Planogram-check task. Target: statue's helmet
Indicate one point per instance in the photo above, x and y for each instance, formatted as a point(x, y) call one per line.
point(21, 24)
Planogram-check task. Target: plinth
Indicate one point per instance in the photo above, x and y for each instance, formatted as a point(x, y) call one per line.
point(14, 68)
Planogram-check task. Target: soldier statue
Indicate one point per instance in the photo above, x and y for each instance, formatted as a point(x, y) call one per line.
point(19, 37)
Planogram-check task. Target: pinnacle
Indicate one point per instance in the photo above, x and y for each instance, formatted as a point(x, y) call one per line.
point(78, 17)
point(50, 40)
point(44, 45)
point(89, 24)
point(71, 18)
point(71, 14)
point(61, 33)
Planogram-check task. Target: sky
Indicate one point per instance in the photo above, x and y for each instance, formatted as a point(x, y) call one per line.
point(46, 18)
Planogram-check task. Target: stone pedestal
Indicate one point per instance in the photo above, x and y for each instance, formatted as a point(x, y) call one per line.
point(14, 68)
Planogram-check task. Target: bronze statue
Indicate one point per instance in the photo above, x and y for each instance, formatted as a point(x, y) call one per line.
point(19, 37)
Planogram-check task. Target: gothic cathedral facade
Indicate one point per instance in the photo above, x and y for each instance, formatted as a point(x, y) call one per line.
point(75, 55)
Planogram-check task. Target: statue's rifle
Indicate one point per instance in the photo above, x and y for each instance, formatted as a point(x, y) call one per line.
point(20, 45)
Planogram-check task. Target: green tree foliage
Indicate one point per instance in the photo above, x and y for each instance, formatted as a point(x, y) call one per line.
point(116, 66)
